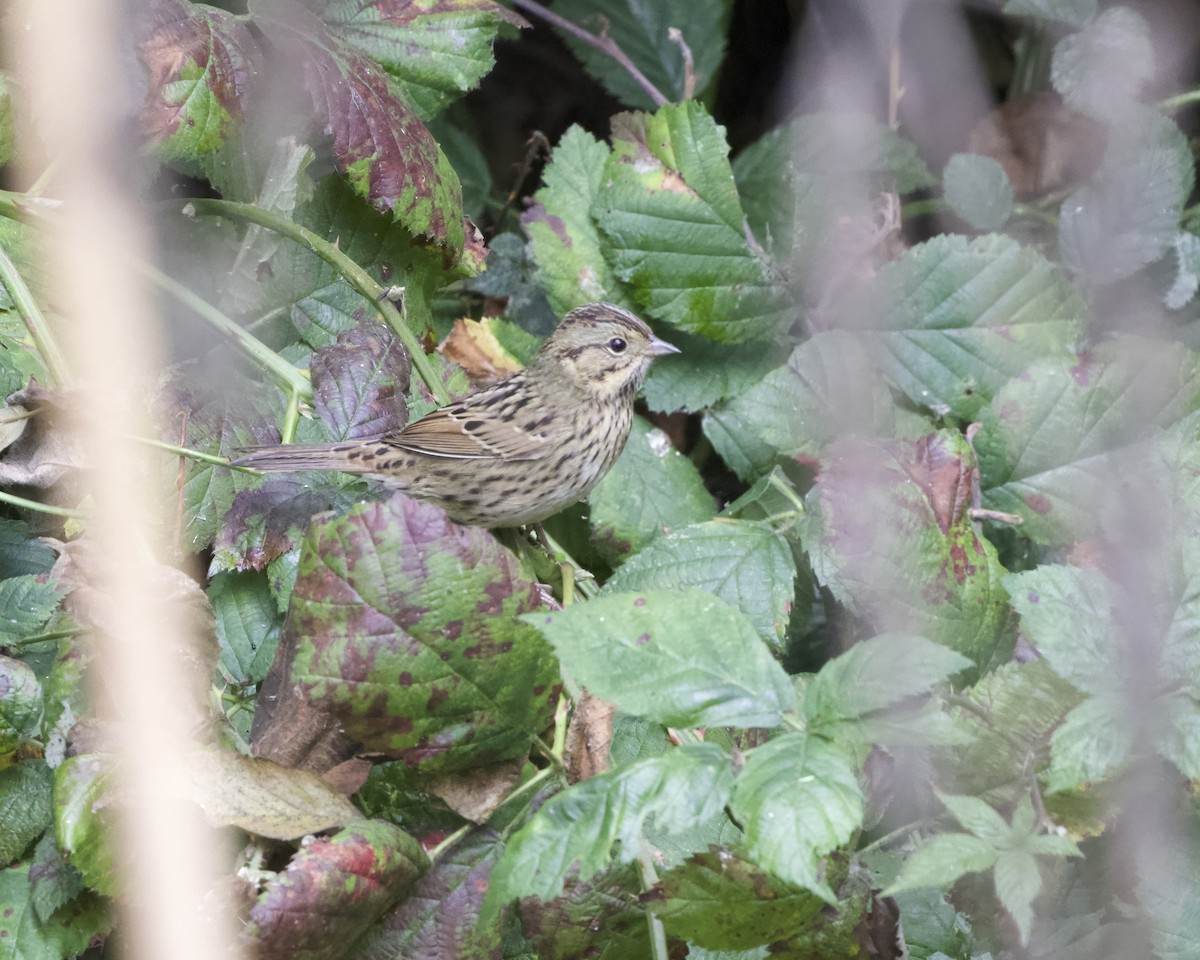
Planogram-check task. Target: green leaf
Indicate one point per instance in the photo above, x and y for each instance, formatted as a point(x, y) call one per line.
point(25, 806)
point(334, 890)
point(1052, 438)
point(941, 860)
point(20, 702)
point(1128, 214)
point(675, 232)
point(21, 552)
point(640, 28)
point(747, 565)
point(1187, 276)
point(978, 190)
point(1017, 882)
point(797, 798)
point(1168, 892)
point(640, 651)
point(829, 387)
point(1092, 743)
point(83, 820)
point(24, 936)
point(579, 827)
point(965, 317)
point(436, 51)
point(705, 372)
point(1100, 70)
point(1074, 12)
point(651, 490)
point(406, 628)
point(876, 674)
point(887, 531)
point(977, 817)
point(247, 623)
point(27, 602)
point(563, 236)
point(53, 881)
point(7, 122)
point(716, 900)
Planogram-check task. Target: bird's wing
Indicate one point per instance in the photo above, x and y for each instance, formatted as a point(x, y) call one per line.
point(470, 431)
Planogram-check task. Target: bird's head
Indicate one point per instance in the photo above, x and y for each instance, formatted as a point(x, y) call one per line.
point(602, 350)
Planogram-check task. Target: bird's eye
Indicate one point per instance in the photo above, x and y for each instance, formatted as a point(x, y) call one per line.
point(617, 345)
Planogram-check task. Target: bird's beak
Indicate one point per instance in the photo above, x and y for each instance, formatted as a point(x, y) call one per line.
point(659, 348)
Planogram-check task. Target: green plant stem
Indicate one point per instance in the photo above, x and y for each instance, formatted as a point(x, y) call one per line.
point(658, 936)
point(1035, 213)
point(357, 277)
point(16, 501)
point(1180, 100)
point(532, 783)
point(291, 417)
point(450, 841)
point(582, 578)
point(190, 454)
point(287, 375)
point(56, 364)
point(919, 208)
point(894, 835)
point(45, 637)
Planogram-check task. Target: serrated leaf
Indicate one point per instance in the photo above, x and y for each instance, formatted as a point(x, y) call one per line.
point(745, 564)
point(1101, 69)
point(719, 901)
point(436, 51)
point(1168, 892)
point(21, 552)
point(53, 882)
point(20, 702)
point(83, 822)
point(1187, 275)
point(267, 521)
point(378, 141)
point(706, 372)
point(202, 62)
point(875, 674)
point(24, 936)
point(1017, 883)
point(218, 422)
point(25, 806)
point(964, 317)
point(640, 29)
point(333, 890)
point(26, 603)
point(797, 798)
point(1093, 741)
point(247, 623)
point(406, 628)
point(1075, 12)
point(651, 490)
point(359, 383)
point(924, 571)
point(1128, 214)
point(674, 229)
point(579, 827)
point(942, 860)
point(639, 651)
point(1052, 439)
point(438, 919)
point(978, 190)
point(977, 817)
point(562, 234)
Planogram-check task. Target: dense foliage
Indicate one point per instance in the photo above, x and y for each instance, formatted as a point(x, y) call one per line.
point(895, 589)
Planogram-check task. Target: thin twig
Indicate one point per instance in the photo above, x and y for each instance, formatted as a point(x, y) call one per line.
point(16, 501)
point(675, 35)
point(658, 935)
point(996, 516)
point(1180, 100)
point(604, 43)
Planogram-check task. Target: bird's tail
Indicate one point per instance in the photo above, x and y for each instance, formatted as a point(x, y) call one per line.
point(345, 457)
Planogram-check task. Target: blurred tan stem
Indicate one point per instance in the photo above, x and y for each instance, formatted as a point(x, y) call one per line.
point(69, 62)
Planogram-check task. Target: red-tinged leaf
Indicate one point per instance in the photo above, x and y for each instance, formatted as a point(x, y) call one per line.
point(378, 140)
point(333, 890)
point(889, 534)
point(267, 522)
point(359, 383)
point(599, 918)
point(438, 920)
point(201, 63)
point(406, 627)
